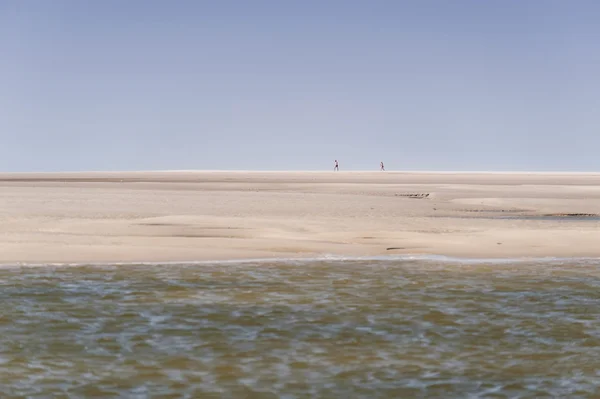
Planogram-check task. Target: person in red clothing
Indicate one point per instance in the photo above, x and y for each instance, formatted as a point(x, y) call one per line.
point(336, 167)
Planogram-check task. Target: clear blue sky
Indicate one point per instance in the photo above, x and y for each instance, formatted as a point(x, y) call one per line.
point(430, 85)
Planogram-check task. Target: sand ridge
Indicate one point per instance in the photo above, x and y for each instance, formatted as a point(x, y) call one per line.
point(187, 216)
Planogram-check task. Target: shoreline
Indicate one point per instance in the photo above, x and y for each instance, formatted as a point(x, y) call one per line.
point(324, 259)
point(122, 217)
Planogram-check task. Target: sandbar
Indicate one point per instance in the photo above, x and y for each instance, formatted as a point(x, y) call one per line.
point(182, 216)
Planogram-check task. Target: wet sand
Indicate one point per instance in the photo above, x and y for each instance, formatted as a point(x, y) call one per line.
point(189, 216)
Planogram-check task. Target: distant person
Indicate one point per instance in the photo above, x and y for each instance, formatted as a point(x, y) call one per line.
point(337, 166)
point(381, 167)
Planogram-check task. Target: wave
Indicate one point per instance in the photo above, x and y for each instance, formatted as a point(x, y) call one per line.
point(324, 258)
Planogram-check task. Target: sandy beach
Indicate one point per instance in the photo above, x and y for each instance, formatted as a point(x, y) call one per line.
point(194, 216)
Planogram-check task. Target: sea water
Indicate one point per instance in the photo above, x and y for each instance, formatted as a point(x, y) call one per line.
point(362, 328)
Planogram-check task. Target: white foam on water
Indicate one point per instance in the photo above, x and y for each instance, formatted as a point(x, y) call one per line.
point(323, 258)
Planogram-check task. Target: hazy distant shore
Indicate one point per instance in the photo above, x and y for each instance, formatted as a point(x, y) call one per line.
point(187, 215)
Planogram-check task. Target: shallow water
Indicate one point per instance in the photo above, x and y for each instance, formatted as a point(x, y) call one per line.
point(535, 218)
point(338, 329)
point(542, 218)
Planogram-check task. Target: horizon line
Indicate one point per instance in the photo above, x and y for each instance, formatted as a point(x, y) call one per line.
point(304, 171)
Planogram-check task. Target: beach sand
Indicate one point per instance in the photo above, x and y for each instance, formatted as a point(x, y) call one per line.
point(194, 216)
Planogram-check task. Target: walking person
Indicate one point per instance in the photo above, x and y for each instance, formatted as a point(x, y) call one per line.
point(336, 168)
point(381, 167)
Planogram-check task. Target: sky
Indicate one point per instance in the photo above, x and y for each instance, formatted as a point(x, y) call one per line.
point(292, 85)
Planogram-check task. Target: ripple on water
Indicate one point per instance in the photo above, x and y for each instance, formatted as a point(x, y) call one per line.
point(361, 329)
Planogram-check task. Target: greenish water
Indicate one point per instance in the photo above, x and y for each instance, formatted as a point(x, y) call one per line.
point(339, 329)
